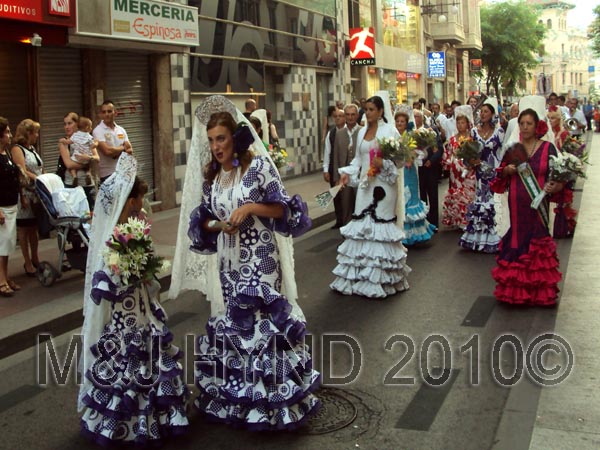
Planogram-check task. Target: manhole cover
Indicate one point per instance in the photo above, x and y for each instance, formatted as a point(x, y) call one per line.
point(337, 411)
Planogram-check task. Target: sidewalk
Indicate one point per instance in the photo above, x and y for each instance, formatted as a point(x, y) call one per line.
point(58, 309)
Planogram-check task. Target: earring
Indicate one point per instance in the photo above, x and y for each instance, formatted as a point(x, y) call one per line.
point(236, 161)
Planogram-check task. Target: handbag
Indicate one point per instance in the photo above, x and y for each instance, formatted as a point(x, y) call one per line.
point(61, 169)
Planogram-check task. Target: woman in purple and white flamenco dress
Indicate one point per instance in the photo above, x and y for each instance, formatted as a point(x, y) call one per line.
point(372, 259)
point(253, 368)
point(480, 233)
point(133, 391)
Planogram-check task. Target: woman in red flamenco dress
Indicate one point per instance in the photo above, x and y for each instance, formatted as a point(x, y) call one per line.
point(461, 187)
point(527, 271)
point(564, 221)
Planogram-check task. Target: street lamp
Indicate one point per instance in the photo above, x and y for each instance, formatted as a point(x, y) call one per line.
point(431, 8)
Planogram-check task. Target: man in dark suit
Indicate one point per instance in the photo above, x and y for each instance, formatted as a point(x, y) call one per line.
point(428, 173)
point(343, 153)
point(339, 120)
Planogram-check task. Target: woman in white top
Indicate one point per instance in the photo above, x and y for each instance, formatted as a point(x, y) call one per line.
point(372, 259)
point(25, 156)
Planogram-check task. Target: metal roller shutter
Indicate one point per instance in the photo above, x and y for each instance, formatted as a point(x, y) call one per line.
point(60, 92)
point(14, 84)
point(128, 86)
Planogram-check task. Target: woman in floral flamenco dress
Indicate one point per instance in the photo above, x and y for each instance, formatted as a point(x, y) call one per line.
point(417, 228)
point(253, 368)
point(461, 186)
point(372, 259)
point(133, 392)
point(480, 233)
point(527, 271)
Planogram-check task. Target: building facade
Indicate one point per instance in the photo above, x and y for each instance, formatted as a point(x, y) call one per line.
point(410, 32)
point(72, 55)
point(566, 59)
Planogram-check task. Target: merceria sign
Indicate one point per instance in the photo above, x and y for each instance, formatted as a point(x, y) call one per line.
point(156, 21)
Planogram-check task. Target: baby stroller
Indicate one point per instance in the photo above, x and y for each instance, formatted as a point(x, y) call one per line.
point(69, 213)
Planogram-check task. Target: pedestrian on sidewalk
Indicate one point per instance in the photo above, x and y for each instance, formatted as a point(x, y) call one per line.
point(26, 157)
point(246, 217)
point(112, 140)
point(133, 392)
point(9, 197)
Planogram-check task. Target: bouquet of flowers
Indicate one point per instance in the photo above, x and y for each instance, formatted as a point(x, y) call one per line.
point(130, 253)
point(468, 150)
point(564, 167)
point(575, 147)
point(425, 138)
point(400, 150)
point(278, 155)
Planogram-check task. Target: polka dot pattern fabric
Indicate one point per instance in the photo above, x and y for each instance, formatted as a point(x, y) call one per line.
point(253, 368)
point(137, 395)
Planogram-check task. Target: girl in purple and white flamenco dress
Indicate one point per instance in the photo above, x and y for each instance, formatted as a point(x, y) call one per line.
point(133, 391)
point(480, 233)
point(253, 368)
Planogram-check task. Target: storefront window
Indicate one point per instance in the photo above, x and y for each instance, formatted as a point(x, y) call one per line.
point(359, 13)
point(401, 20)
point(403, 87)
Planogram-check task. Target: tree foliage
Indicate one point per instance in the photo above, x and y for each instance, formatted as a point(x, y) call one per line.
point(512, 41)
point(594, 32)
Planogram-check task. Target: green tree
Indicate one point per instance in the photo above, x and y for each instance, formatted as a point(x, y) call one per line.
point(594, 32)
point(512, 41)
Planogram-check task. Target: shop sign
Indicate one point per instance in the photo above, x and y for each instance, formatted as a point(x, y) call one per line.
point(156, 21)
point(59, 8)
point(475, 65)
point(436, 64)
point(26, 10)
point(362, 46)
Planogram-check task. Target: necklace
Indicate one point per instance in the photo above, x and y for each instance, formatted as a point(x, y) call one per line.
point(485, 135)
point(532, 149)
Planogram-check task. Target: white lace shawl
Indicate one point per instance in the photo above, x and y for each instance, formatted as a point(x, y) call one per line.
point(110, 201)
point(193, 271)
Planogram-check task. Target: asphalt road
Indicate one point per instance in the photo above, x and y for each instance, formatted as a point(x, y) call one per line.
point(395, 347)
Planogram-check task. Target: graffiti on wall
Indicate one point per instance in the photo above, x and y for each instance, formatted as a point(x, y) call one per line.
point(307, 38)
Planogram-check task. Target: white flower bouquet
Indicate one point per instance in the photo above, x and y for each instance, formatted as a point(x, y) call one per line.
point(130, 253)
point(564, 167)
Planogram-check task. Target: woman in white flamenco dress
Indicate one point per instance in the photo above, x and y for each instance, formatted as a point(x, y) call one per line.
point(372, 259)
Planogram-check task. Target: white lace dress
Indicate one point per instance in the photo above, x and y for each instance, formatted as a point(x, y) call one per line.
point(372, 259)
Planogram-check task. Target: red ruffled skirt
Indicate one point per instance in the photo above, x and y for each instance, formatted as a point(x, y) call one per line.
point(532, 279)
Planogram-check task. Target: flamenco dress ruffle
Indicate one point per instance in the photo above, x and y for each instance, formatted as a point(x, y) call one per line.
point(372, 259)
point(461, 191)
point(530, 277)
point(564, 220)
point(138, 395)
point(417, 228)
point(456, 204)
point(480, 233)
point(253, 368)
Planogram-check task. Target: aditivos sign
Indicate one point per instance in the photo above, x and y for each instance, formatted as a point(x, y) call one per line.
point(150, 20)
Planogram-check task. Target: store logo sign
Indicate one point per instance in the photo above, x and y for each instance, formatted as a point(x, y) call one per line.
point(362, 46)
point(59, 8)
point(436, 64)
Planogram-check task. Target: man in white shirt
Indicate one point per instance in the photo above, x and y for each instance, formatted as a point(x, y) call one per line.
point(575, 113)
point(112, 141)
